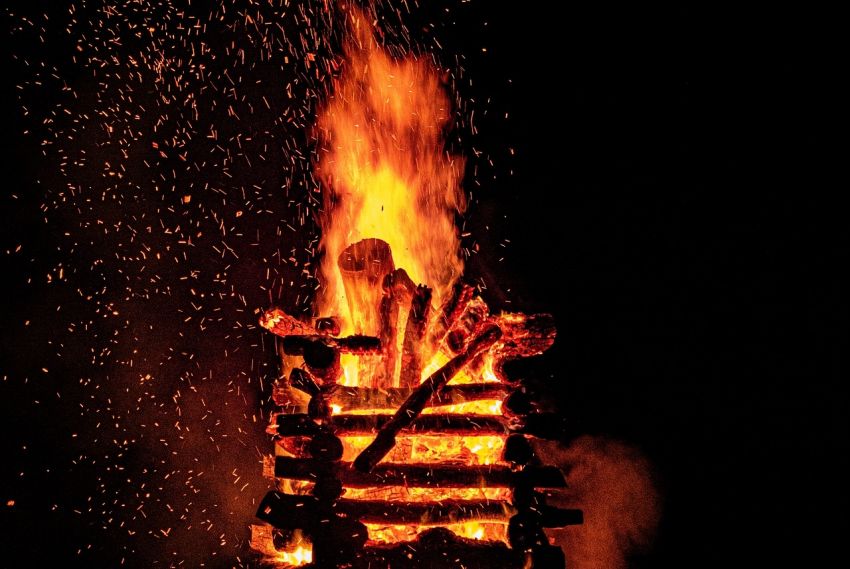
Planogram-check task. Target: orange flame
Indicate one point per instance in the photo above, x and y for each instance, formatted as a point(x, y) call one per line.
point(384, 169)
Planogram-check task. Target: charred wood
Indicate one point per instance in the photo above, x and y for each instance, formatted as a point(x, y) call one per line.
point(423, 475)
point(414, 332)
point(413, 406)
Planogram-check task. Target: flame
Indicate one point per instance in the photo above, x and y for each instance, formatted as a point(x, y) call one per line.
point(384, 170)
point(299, 552)
point(299, 556)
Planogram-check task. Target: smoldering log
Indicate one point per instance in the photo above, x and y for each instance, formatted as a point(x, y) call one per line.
point(414, 333)
point(407, 414)
point(450, 311)
point(390, 512)
point(422, 475)
point(298, 424)
point(355, 398)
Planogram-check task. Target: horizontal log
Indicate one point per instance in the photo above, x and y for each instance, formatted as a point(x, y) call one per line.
point(290, 511)
point(355, 398)
point(294, 345)
point(390, 512)
point(300, 424)
point(540, 425)
point(422, 475)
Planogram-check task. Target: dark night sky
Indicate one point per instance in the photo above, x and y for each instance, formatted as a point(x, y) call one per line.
point(668, 201)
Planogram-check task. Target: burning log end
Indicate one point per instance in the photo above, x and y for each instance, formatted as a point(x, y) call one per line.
point(518, 450)
point(517, 369)
point(326, 446)
point(399, 282)
point(519, 403)
point(526, 335)
point(318, 408)
point(328, 489)
point(328, 326)
point(368, 258)
point(280, 323)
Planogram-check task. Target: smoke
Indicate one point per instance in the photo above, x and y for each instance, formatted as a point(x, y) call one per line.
point(613, 483)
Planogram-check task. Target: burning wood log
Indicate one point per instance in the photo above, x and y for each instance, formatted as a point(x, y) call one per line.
point(413, 346)
point(395, 513)
point(363, 266)
point(473, 315)
point(280, 323)
point(451, 310)
point(357, 398)
point(525, 335)
point(397, 288)
point(413, 406)
point(422, 475)
point(295, 345)
point(296, 424)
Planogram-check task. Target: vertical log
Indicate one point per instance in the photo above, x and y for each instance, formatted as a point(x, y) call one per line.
point(363, 267)
point(414, 333)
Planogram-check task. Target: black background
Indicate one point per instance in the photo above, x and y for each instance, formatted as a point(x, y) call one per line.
point(669, 203)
